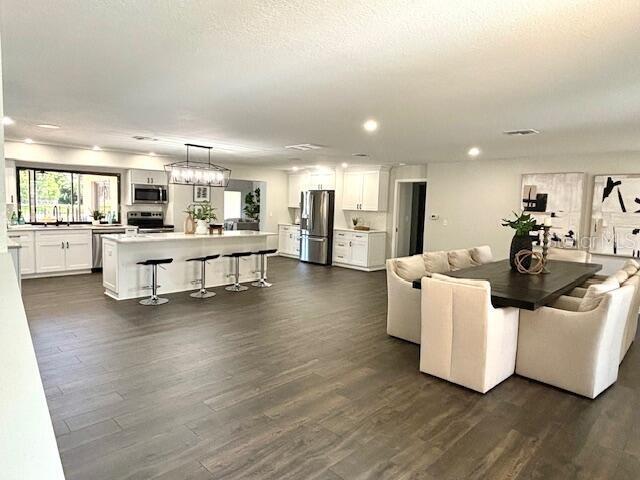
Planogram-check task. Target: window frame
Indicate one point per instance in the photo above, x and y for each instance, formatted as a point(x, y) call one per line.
point(33, 206)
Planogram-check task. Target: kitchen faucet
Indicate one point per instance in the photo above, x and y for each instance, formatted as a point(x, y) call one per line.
point(55, 212)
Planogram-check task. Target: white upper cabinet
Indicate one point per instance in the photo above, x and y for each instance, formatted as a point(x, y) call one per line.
point(296, 186)
point(151, 177)
point(300, 182)
point(366, 190)
point(10, 182)
point(321, 181)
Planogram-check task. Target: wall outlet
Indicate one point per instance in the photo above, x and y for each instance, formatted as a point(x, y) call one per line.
point(434, 216)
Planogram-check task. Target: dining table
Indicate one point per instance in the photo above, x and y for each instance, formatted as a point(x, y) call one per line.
point(509, 288)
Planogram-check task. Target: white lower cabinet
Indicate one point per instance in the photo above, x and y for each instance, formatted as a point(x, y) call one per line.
point(359, 250)
point(62, 251)
point(27, 251)
point(289, 240)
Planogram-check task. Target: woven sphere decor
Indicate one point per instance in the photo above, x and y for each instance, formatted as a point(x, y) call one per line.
point(537, 262)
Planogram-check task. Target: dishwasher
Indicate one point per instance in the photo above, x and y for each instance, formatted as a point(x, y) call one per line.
point(97, 245)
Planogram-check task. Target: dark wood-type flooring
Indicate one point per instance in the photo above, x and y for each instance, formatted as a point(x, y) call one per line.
point(299, 381)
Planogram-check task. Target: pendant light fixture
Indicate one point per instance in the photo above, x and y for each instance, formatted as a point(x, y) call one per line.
point(197, 173)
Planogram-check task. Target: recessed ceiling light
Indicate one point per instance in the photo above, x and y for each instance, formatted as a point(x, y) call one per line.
point(48, 125)
point(152, 154)
point(28, 140)
point(473, 152)
point(345, 164)
point(370, 125)
point(96, 148)
point(295, 169)
point(401, 164)
point(7, 121)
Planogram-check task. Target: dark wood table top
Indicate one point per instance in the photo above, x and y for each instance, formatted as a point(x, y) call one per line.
point(513, 289)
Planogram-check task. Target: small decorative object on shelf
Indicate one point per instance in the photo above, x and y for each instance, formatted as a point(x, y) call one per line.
point(523, 223)
point(524, 256)
point(203, 214)
point(218, 227)
point(189, 225)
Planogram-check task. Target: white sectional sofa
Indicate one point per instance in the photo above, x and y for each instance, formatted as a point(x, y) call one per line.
point(403, 307)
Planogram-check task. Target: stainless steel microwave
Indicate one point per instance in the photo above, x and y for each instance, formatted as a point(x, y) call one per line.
point(145, 193)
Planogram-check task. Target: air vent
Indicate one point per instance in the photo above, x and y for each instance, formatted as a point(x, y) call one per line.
point(521, 133)
point(304, 147)
point(142, 137)
point(359, 155)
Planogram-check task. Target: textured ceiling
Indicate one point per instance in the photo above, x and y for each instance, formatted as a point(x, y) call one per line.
point(250, 77)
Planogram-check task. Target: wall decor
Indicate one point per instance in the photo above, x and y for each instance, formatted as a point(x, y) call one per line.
point(615, 215)
point(201, 194)
point(556, 195)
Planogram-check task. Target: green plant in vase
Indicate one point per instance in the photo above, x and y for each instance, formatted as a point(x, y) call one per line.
point(203, 214)
point(252, 205)
point(523, 224)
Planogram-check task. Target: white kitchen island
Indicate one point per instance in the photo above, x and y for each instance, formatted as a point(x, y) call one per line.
point(123, 278)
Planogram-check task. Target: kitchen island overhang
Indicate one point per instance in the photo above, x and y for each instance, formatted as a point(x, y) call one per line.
point(124, 279)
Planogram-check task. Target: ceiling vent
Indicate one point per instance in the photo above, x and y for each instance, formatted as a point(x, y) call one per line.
point(521, 133)
point(142, 137)
point(359, 155)
point(303, 147)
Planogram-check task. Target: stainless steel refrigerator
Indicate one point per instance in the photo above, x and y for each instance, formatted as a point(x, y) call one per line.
point(316, 226)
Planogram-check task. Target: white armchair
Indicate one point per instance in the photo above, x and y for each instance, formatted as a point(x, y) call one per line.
point(573, 350)
point(569, 255)
point(465, 340)
point(403, 306)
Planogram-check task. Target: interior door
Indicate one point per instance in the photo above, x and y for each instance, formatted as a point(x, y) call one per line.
point(352, 191)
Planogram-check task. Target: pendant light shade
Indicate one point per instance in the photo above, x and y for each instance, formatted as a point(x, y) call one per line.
point(197, 173)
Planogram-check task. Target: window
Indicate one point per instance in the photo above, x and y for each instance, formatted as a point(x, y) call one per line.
point(232, 205)
point(75, 195)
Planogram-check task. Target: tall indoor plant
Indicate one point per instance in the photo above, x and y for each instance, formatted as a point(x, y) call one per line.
point(523, 223)
point(252, 205)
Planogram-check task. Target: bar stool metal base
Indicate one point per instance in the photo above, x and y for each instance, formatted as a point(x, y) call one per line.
point(236, 288)
point(262, 283)
point(153, 301)
point(202, 294)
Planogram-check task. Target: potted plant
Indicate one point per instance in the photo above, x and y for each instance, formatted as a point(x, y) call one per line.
point(252, 205)
point(97, 215)
point(523, 223)
point(203, 214)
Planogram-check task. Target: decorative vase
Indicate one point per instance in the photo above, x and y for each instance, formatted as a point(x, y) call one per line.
point(520, 242)
point(189, 225)
point(95, 222)
point(202, 228)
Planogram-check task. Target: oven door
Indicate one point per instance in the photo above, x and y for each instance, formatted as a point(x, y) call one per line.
point(141, 193)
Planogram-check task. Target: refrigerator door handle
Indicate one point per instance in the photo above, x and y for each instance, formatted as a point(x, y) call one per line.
point(312, 239)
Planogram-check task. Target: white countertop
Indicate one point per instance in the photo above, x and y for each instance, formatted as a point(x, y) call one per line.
point(359, 231)
point(181, 236)
point(28, 449)
point(62, 226)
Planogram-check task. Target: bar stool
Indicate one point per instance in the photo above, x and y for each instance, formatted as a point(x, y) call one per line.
point(154, 299)
point(236, 287)
point(202, 293)
point(262, 283)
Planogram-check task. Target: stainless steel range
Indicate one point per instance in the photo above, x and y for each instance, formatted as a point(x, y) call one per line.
point(148, 222)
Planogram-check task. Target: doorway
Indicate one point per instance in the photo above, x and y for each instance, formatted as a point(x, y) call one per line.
point(409, 217)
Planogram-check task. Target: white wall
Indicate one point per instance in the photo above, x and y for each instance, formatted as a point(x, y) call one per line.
point(472, 197)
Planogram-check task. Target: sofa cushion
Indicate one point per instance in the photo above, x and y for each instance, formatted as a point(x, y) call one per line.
point(620, 276)
point(410, 268)
point(459, 259)
point(436, 262)
point(482, 255)
point(631, 267)
point(595, 293)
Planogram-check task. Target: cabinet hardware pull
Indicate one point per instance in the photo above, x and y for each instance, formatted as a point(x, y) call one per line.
point(62, 247)
point(67, 245)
